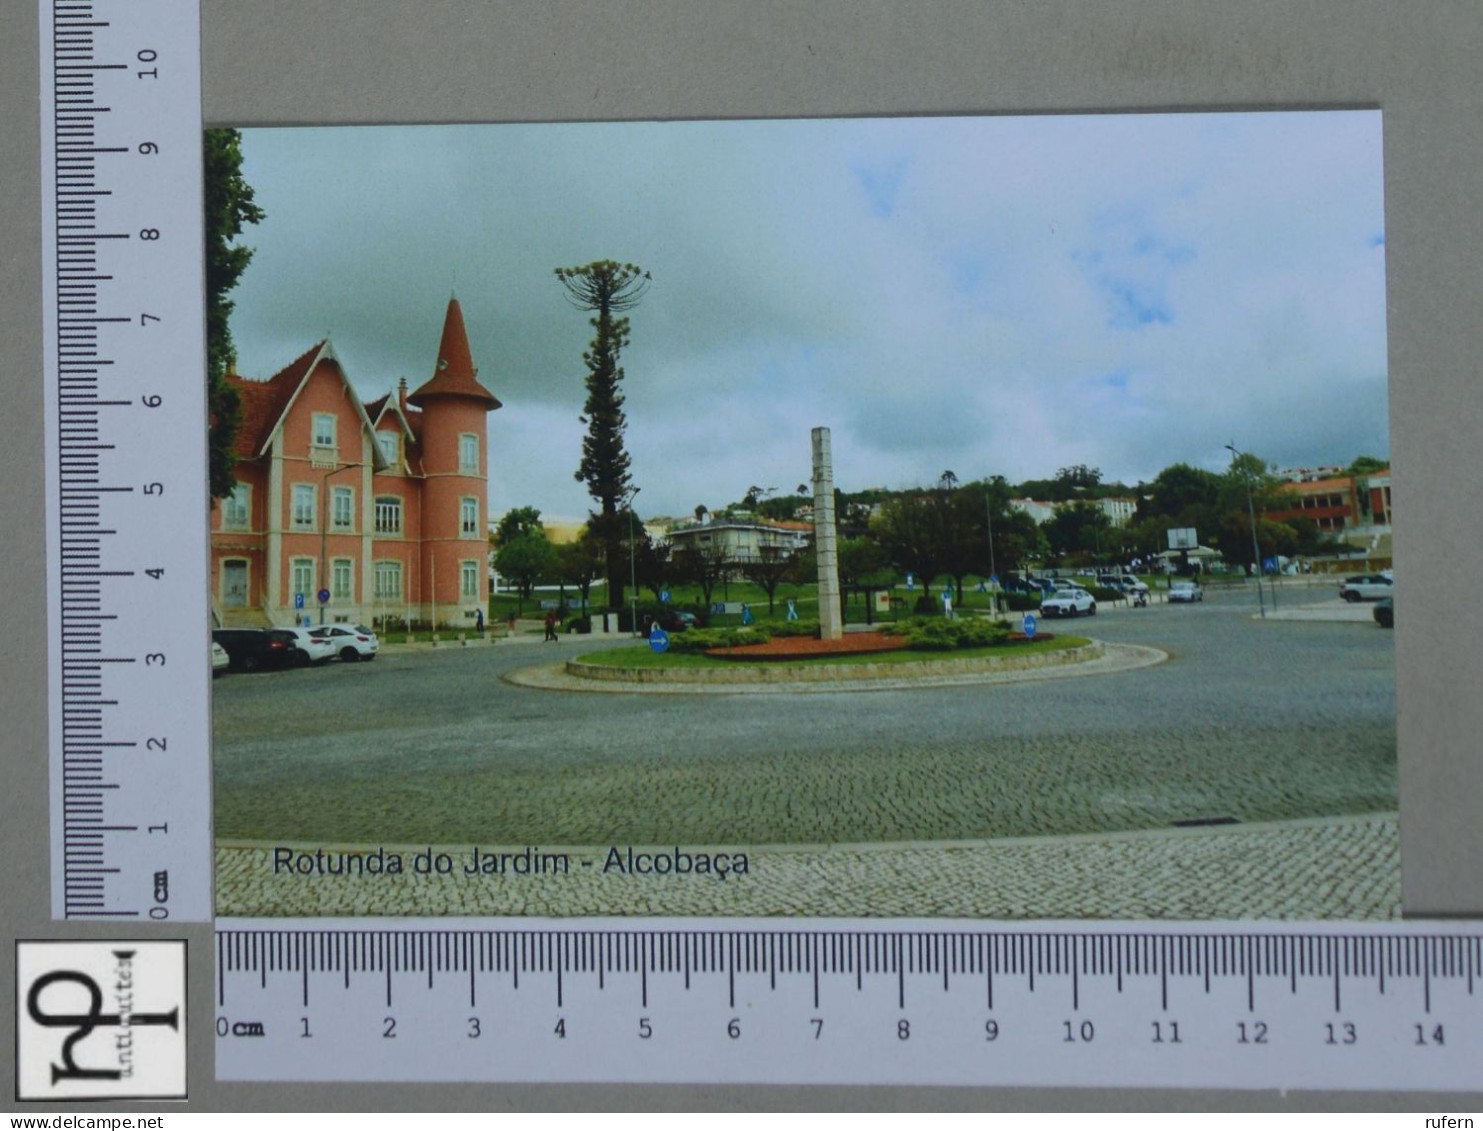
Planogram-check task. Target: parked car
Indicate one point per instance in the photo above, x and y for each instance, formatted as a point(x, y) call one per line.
point(676, 620)
point(1368, 587)
point(1131, 585)
point(1186, 591)
point(251, 648)
point(308, 648)
point(220, 661)
point(1384, 613)
point(1068, 603)
point(348, 641)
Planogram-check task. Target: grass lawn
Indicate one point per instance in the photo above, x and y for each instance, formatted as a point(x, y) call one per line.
point(644, 657)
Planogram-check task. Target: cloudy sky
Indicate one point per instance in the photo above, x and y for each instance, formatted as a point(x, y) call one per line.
point(985, 295)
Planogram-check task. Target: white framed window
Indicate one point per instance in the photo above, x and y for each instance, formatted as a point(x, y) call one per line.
point(468, 573)
point(388, 581)
point(303, 506)
point(342, 508)
point(324, 430)
point(342, 579)
point(468, 517)
point(301, 578)
point(388, 514)
point(236, 508)
point(468, 453)
point(390, 447)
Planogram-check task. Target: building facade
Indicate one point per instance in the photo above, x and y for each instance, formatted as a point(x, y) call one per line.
point(743, 541)
point(357, 512)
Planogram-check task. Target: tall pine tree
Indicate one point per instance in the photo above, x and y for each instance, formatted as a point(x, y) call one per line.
point(607, 289)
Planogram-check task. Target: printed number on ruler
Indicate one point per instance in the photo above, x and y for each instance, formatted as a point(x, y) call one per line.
point(1316, 1006)
point(126, 477)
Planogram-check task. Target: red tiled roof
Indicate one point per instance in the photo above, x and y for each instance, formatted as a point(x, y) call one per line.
point(453, 374)
point(263, 402)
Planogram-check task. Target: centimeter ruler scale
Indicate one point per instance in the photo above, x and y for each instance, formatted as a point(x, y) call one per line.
point(126, 491)
point(1376, 1006)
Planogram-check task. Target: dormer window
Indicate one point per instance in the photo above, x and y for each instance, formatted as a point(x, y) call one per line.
point(387, 442)
point(324, 430)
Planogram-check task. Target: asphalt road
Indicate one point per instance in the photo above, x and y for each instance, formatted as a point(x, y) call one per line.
point(1248, 720)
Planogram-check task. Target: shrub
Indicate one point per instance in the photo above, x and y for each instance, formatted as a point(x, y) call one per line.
point(1022, 602)
point(1102, 594)
point(701, 639)
point(795, 628)
point(947, 635)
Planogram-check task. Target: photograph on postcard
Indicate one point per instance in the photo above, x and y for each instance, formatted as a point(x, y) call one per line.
point(979, 517)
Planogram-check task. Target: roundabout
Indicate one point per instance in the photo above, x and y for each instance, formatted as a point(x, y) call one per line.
point(733, 677)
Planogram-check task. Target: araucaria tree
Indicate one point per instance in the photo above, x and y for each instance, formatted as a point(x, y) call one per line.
point(607, 289)
point(229, 205)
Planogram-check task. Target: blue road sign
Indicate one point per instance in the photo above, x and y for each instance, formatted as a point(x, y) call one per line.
point(792, 610)
point(298, 600)
point(324, 596)
point(658, 639)
point(994, 580)
point(1269, 565)
point(1029, 626)
point(664, 596)
point(910, 584)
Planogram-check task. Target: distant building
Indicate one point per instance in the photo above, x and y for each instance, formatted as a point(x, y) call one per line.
point(1356, 505)
point(381, 504)
point(1119, 511)
point(743, 541)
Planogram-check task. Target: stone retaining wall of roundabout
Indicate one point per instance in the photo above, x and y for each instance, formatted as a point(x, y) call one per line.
point(735, 673)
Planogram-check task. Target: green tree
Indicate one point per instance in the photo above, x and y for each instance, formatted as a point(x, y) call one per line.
point(526, 560)
point(228, 206)
point(706, 566)
point(656, 567)
point(1368, 465)
point(607, 289)
point(910, 531)
point(770, 569)
point(516, 522)
point(580, 562)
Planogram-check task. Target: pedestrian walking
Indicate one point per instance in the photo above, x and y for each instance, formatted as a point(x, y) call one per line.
point(479, 621)
point(551, 628)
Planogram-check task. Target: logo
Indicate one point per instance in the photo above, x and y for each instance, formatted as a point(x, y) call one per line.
point(98, 1020)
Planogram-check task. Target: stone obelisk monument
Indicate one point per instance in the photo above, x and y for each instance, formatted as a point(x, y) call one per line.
point(826, 548)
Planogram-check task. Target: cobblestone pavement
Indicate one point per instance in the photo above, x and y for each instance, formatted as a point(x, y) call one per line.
point(1256, 721)
point(1332, 868)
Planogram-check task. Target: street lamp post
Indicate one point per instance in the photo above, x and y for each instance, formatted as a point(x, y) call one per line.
point(633, 585)
point(993, 573)
point(1256, 553)
point(324, 531)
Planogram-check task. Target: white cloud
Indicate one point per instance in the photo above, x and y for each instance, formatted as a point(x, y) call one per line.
point(993, 295)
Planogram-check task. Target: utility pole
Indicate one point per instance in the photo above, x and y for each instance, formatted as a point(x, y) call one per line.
point(324, 531)
point(1256, 553)
point(993, 573)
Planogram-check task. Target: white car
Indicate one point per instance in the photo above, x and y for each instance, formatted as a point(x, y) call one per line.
point(349, 641)
point(1369, 587)
point(308, 648)
point(220, 661)
point(1068, 603)
point(1186, 591)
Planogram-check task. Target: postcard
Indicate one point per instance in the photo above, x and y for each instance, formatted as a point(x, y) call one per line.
point(958, 517)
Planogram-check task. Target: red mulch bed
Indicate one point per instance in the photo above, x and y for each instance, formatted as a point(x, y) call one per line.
point(808, 648)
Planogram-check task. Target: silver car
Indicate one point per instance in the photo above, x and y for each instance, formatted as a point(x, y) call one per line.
point(1186, 591)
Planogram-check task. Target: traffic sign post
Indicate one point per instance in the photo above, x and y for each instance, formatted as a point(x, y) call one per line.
point(658, 639)
point(1028, 626)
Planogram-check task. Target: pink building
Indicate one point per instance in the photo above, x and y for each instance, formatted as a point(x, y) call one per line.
point(379, 505)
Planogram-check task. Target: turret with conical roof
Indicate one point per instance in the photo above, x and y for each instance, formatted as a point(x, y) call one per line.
point(454, 407)
point(454, 374)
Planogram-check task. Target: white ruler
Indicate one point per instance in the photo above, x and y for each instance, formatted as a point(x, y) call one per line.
point(126, 491)
point(1377, 1006)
